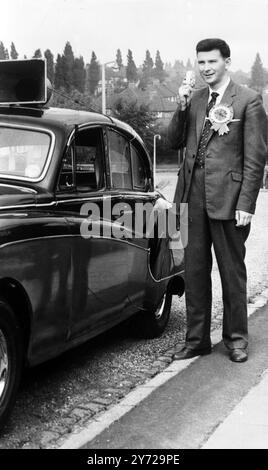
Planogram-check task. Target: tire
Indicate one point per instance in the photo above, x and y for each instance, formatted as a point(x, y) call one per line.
point(11, 359)
point(152, 324)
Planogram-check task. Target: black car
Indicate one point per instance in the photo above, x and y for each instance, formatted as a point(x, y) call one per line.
point(66, 277)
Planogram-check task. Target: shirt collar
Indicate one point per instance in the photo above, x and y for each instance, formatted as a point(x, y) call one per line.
point(220, 90)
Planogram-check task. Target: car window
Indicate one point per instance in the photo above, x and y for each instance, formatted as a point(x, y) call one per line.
point(23, 152)
point(89, 172)
point(82, 167)
point(119, 152)
point(138, 169)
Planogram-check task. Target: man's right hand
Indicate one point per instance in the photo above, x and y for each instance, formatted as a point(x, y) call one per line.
point(185, 94)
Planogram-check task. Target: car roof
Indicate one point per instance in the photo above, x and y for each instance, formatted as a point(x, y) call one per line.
point(73, 117)
point(62, 117)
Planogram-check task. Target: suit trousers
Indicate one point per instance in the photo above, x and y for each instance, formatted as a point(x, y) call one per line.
point(228, 242)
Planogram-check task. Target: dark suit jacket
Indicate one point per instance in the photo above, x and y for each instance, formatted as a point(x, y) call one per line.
point(234, 162)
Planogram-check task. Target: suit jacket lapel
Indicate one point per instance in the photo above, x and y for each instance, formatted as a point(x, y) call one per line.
point(229, 94)
point(226, 99)
point(201, 113)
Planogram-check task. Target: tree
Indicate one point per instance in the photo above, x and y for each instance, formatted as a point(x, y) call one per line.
point(13, 52)
point(159, 65)
point(37, 54)
point(189, 65)
point(265, 76)
point(147, 70)
point(50, 65)
point(148, 63)
point(79, 74)
point(138, 116)
point(68, 66)
point(240, 77)
point(257, 75)
point(59, 73)
point(93, 74)
point(4, 54)
point(131, 71)
point(180, 70)
point(159, 71)
point(2, 51)
point(74, 100)
point(119, 59)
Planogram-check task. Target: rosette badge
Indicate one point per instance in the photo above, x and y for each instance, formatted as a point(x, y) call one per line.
point(221, 115)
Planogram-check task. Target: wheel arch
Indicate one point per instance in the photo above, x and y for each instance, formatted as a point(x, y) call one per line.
point(15, 295)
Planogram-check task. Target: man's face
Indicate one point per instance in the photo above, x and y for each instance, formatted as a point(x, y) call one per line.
point(212, 66)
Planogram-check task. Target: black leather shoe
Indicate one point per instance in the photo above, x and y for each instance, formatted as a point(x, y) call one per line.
point(238, 355)
point(186, 353)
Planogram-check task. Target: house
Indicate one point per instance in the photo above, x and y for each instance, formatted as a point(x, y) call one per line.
point(161, 98)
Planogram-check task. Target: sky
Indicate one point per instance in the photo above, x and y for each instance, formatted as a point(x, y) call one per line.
point(172, 26)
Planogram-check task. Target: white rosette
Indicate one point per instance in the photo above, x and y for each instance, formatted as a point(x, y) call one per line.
point(221, 115)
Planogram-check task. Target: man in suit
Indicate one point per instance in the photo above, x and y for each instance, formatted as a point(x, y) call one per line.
point(219, 179)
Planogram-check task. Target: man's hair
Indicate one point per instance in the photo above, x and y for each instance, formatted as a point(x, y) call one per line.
point(207, 45)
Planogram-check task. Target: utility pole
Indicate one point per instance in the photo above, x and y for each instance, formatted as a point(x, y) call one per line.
point(103, 85)
point(156, 136)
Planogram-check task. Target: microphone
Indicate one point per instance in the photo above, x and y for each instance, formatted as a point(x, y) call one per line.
point(189, 79)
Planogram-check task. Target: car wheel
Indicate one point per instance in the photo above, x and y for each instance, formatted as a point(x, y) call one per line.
point(151, 324)
point(10, 359)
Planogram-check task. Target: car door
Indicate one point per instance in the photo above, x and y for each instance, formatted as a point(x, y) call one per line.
point(130, 187)
point(99, 261)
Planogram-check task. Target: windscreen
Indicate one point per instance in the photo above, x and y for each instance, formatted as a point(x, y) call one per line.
point(23, 152)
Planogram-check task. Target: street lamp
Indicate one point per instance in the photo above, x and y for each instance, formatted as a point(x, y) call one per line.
point(156, 136)
point(103, 85)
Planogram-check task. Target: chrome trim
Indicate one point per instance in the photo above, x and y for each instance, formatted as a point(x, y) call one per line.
point(4, 364)
point(89, 199)
point(163, 278)
point(4, 245)
point(12, 214)
point(48, 159)
point(30, 190)
point(69, 141)
point(122, 241)
point(141, 196)
point(159, 312)
point(44, 204)
point(81, 126)
point(16, 242)
point(25, 206)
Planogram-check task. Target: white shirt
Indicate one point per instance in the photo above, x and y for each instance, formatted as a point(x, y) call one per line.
point(220, 91)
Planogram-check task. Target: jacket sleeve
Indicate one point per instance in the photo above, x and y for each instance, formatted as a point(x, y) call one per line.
point(177, 129)
point(255, 153)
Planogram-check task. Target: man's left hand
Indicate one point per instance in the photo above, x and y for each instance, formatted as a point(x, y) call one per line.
point(242, 218)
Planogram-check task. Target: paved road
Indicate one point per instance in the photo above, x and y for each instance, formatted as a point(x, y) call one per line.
point(185, 411)
point(53, 397)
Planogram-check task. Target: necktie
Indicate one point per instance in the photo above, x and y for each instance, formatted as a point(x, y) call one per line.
point(200, 158)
